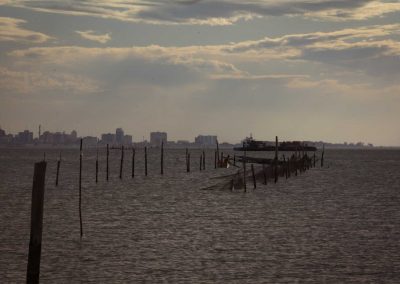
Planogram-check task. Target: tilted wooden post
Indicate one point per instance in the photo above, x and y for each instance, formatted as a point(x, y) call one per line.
point(122, 162)
point(162, 157)
point(58, 169)
point(107, 168)
point(145, 160)
point(186, 158)
point(200, 162)
point(35, 242)
point(80, 188)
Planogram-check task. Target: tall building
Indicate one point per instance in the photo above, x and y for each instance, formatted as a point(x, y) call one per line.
point(157, 137)
point(119, 134)
point(206, 140)
point(108, 138)
point(25, 137)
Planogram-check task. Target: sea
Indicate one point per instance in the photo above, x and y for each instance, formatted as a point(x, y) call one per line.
point(334, 224)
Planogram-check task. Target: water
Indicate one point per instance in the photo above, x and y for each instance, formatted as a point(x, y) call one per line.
point(339, 224)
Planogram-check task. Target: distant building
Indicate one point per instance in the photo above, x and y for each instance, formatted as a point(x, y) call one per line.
point(128, 140)
point(90, 141)
point(157, 137)
point(108, 138)
point(205, 140)
point(25, 137)
point(119, 134)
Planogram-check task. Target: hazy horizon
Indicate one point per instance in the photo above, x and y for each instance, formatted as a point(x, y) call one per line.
point(301, 70)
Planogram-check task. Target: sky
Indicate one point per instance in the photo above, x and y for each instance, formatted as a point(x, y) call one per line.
point(302, 70)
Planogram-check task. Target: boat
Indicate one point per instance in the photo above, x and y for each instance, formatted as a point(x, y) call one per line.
point(249, 144)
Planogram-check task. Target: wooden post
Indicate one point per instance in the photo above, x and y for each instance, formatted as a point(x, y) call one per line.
point(204, 160)
point(276, 159)
point(188, 166)
point(234, 160)
point(133, 162)
point(265, 175)
point(162, 157)
point(314, 160)
point(107, 169)
point(122, 162)
point(97, 164)
point(244, 171)
point(215, 159)
point(201, 160)
point(254, 176)
point(218, 162)
point(58, 169)
point(322, 156)
point(186, 158)
point(35, 242)
point(145, 160)
point(80, 188)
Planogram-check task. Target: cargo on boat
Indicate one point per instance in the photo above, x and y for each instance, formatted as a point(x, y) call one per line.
point(249, 144)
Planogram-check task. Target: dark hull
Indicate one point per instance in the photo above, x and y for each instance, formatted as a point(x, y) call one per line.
point(280, 148)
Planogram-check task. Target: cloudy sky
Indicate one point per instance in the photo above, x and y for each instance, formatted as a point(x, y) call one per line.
point(303, 70)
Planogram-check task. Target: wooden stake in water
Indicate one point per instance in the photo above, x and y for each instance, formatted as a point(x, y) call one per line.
point(162, 157)
point(276, 159)
point(145, 160)
point(254, 176)
point(35, 242)
point(186, 159)
point(322, 156)
point(204, 160)
point(188, 164)
point(200, 162)
point(80, 188)
point(215, 159)
point(133, 162)
point(122, 162)
point(97, 164)
point(107, 168)
point(244, 171)
point(58, 169)
point(218, 153)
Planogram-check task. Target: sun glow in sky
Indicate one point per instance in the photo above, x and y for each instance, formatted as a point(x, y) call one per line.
point(303, 70)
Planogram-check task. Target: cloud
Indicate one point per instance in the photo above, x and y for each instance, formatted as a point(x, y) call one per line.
point(91, 35)
point(11, 30)
point(213, 12)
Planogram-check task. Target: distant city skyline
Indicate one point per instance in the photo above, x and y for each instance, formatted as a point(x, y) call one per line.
point(299, 69)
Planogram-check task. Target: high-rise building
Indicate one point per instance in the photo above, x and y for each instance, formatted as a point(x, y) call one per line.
point(108, 138)
point(206, 140)
point(119, 134)
point(157, 137)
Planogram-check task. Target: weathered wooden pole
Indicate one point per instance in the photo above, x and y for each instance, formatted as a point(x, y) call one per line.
point(188, 164)
point(97, 164)
point(162, 157)
point(58, 169)
point(244, 171)
point(276, 159)
point(254, 176)
point(200, 163)
point(121, 165)
point(265, 175)
point(133, 162)
point(204, 160)
point(35, 242)
point(145, 160)
point(322, 156)
point(234, 160)
point(107, 168)
point(186, 158)
point(314, 159)
point(80, 187)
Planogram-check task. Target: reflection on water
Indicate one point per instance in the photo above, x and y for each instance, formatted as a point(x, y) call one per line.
point(336, 224)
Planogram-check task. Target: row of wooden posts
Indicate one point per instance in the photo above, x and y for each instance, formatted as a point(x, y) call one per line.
point(292, 165)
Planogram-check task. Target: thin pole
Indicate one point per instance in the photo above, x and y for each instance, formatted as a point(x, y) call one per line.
point(162, 157)
point(133, 162)
point(35, 242)
point(145, 160)
point(107, 168)
point(204, 160)
point(58, 169)
point(80, 188)
point(122, 162)
point(97, 164)
point(244, 171)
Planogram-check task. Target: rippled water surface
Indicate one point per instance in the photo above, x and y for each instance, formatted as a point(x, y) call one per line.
point(337, 224)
